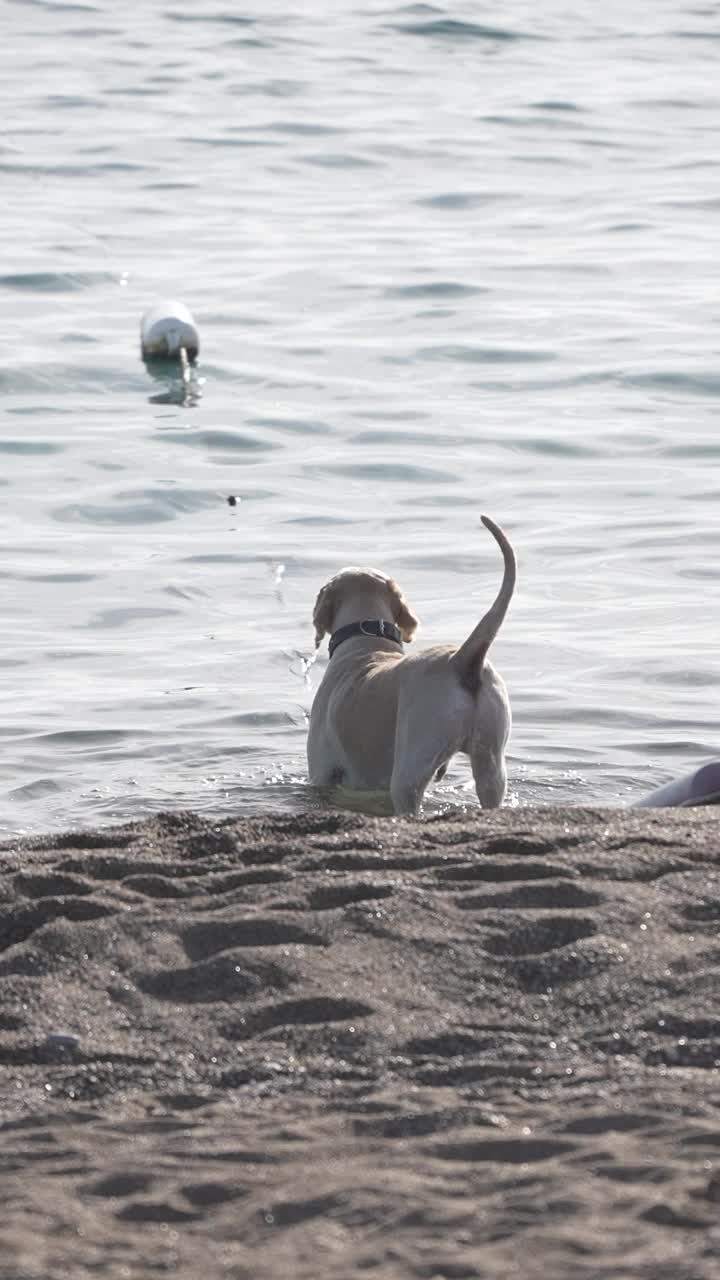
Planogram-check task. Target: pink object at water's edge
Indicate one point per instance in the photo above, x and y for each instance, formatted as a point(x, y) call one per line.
point(702, 786)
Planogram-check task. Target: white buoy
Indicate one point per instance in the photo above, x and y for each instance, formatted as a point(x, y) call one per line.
point(702, 786)
point(167, 330)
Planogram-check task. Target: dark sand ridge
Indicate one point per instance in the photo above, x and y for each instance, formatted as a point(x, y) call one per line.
point(481, 1045)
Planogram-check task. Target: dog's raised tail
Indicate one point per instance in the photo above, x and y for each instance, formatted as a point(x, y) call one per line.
point(471, 655)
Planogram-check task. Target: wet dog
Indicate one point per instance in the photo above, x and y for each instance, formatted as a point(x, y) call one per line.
point(381, 720)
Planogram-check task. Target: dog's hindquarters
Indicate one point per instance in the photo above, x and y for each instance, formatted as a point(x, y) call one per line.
point(437, 716)
point(434, 720)
point(419, 757)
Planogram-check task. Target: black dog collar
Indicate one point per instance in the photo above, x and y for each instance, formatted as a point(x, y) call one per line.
point(383, 630)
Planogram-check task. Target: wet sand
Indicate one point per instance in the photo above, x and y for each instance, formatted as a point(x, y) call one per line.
point(481, 1045)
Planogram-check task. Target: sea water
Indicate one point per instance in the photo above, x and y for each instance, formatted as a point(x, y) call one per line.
point(445, 259)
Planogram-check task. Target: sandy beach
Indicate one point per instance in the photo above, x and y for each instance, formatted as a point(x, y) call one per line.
point(480, 1045)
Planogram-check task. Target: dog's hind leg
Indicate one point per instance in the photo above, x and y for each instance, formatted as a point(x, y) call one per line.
point(487, 753)
point(424, 743)
point(487, 741)
point(408, 788)
point(490, 778)
point(407, 793)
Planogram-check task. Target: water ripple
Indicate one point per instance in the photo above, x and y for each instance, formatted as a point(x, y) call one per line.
point(217, 439)
point(141, 506)
point(485, 355)
point(454, 29)
point(435, 289)
point(29, 447)
point(391, 472)
point(462, 200)
point(703, 384)
point(56, 281)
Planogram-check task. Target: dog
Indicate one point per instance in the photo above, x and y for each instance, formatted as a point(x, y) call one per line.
point(381, 720)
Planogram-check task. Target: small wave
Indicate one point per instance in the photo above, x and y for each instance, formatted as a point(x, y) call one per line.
point(89, 738)
point(438, 439)
point(304, 129)
point(227, 557)
point(57, 6)
point(543, 384)
point(227, 19)
point(628, 226)
point(142, 506)
point(434, 289)
point(454, 29)
point(56, 281)
point(219, 440)
point(710, 203)
point(64, 577)
point(340, 160)
point(484, 355)
point(399, 472)
point(122, 617)
point(709, 34)
point(555, 104)
point(451, 500)
point(692, 450)
point(294, 426)
point(70, 101)
point(166, 185)
point(32, 447)
point(35, 790)
point(551, 448)
point(67, 170)
point(251, 719)
point(704, 384)
point(391, 415)
point(270, 89)
point(67, 378)
point(444, 562)
point(89, 513)
point(319, 522)
point(229, 142)
point(462, 199)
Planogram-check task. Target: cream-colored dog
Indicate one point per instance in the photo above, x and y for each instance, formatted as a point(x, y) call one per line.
point(381, 720)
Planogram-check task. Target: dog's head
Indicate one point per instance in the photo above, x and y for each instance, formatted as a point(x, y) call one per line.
point(376, 597)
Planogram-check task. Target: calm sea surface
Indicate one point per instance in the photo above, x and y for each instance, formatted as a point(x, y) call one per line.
point(444, 260)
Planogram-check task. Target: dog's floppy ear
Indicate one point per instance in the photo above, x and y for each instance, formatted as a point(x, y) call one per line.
point(324, 610)
point(402, 613)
